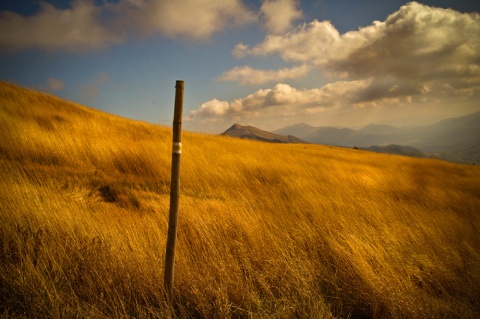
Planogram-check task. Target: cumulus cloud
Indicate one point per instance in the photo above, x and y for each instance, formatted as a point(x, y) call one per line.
point(419, 42)
point(420, 58)
point(283, 96)
point(416, 41)
point(247, 75)
point(308, 42)
point(278, 15)
point(86, 26)
point(282, 102)
point(187, 18)
point(76, 29)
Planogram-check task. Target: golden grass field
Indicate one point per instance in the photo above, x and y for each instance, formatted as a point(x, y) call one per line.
point(265, 230)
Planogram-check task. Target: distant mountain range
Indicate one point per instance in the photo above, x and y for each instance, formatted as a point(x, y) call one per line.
point(253, 133)
point(454, 139)
point(452, 134)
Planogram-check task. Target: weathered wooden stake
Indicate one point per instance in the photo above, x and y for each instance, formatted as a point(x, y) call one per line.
point(174, 192)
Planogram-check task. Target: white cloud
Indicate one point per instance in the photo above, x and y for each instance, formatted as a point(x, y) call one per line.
point(278, 15)
point(86, 26)
point(419, 42)
point(76, 29)
point(421, 59)
point(416, 41)
point(197, 19)
point(248, 75)
point(308, 42)
point(213, 107)
point(282, 102)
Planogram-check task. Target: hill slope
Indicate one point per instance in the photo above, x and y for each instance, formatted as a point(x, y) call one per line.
point(253, 133)
point(449, 135)
point(277, 231)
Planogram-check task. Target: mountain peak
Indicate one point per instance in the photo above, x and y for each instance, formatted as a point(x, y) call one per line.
point(253, 133)
point(236, 126)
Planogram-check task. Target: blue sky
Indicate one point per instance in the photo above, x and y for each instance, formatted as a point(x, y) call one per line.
point(270, 63)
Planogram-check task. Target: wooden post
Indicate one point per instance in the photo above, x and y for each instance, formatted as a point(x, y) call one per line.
point(174, 192)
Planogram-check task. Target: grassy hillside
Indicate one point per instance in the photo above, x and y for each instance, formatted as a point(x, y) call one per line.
point(265, 230)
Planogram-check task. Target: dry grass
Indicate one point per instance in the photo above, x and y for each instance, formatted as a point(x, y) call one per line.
point(265, 230)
